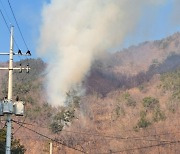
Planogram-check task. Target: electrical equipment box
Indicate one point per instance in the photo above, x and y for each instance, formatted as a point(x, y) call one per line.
point(19, 108)
point(1, 109)
point(7, 107)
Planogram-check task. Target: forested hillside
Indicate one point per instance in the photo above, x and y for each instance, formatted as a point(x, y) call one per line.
point(131, 104)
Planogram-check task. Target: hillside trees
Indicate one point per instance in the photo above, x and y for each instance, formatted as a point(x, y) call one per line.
point(66, 114)
point(103, 79)
point(171, 82)
point(16, 148)
point(151, 112)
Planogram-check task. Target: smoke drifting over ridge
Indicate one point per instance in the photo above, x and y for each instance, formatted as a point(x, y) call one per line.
point(75, 32)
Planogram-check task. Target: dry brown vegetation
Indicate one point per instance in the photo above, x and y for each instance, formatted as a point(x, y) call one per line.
point(131, 105)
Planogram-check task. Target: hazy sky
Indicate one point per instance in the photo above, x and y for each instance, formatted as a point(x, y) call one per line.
point(165, 17)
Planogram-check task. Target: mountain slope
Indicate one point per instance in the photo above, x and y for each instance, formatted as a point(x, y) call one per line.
point(128, 68)
point(131, 104)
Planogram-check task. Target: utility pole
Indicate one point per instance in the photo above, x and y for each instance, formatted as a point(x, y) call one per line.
point(8, 133)
point(7, 107)
point(50, 147)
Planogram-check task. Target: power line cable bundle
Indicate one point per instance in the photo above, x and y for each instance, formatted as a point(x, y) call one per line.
point(18, 25)
point(16, 21)
point(162, 143)
point(21, 34)
point(45, 136)
point(109, 136)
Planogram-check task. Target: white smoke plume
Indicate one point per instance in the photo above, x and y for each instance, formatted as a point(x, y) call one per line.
point(74, 32)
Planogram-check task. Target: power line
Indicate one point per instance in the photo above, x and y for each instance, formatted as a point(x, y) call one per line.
point(116, 137)
point(145, 147)
point(17, 25)
point(54, 140)
point(19, 126)
point(5, 11)
point(109, 136)
point(4, 125)
point(131, 149)
point(30, 124)
point(8, 27)
point(112, 135)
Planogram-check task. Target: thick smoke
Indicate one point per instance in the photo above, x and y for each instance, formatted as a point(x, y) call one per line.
point(75, 32)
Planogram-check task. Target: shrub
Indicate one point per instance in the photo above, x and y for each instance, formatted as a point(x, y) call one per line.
point(56, 127)
point(16, 148)
point(172, 106)
point(129, 100)
point(141, 87)
point(62, 118)
point(143, 122)
point(30, 100)
point(171, 82)
point(158, 115)
point(66, 114)
point(126, 95)
point(34, 112)
point(143, 114)
point(119, 110)
point(150, 102)
point(72, 98)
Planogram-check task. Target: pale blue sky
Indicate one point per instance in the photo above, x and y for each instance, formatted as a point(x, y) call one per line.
point(28, 14)
point(154, 24)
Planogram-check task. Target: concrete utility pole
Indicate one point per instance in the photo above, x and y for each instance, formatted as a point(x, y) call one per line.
point(8, 106)
point(10, 81)
point(50, 147)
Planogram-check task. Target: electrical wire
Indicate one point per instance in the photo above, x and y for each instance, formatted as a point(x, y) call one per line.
point(30, 124)
point(8, 28)
point(54, 140)
point(5, 11)
point(131, 149)
point(17, 25)
point(144, 147)
point(76, 132)
point(4, 125)
point(10, 31)
point(113, 137)
point(5, 21)
point(149, 128)
point(118, 137)
point(19, 126)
